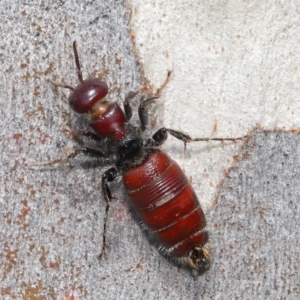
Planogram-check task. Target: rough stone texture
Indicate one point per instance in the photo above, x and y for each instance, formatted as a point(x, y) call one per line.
point(51, 217)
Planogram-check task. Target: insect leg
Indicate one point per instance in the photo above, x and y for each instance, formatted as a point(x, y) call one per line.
point(160, 136)
point(108, 176)
point(127, 106)
point(70, 153)
point(93, 136)
point(143, 111)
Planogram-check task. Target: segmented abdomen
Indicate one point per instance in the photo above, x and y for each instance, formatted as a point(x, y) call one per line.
point(166, 202)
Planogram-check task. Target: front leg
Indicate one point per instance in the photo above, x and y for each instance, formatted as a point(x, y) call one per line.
point(108, 176)
point(143, 111)
point(127, 106)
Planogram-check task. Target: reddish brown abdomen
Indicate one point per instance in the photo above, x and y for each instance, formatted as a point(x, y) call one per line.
point(163, 197)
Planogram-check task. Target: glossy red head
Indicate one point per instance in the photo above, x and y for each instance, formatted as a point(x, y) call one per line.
point(87, 94)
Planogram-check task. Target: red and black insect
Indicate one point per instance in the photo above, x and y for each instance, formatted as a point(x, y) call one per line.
point(157, 187)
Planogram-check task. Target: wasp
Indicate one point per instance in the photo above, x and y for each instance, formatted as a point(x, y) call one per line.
point(156, 186)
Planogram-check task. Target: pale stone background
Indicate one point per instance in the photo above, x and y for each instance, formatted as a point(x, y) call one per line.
point(235, 65)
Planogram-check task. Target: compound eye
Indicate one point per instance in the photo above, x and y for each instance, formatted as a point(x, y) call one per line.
point(87, 94)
